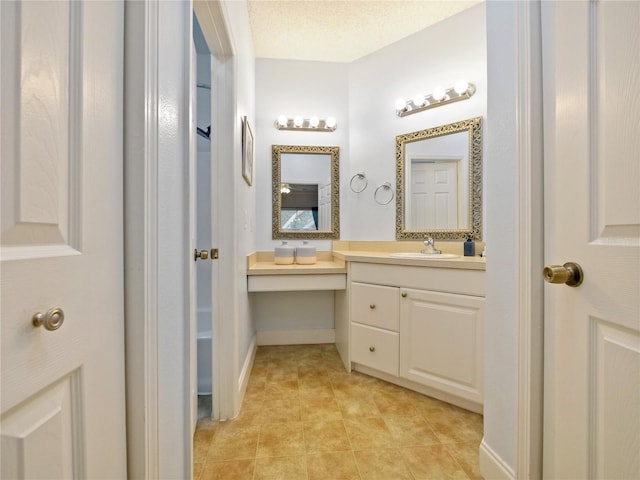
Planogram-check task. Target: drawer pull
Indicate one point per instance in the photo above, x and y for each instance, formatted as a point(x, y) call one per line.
point(403, 294)
point(372, 348)
point(372, 306)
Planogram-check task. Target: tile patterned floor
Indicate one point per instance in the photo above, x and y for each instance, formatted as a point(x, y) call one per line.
point(305, 417)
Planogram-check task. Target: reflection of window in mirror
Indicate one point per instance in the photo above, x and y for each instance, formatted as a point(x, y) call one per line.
point(299, 206)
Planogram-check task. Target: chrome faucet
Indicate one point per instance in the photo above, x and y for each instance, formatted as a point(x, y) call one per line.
point(429, 246)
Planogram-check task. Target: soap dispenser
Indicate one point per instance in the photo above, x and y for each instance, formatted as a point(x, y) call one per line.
point(469, 247)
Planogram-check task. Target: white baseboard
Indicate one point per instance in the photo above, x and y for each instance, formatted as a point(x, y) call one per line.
point(492, 466)
point(243, 380)
point(296, 337)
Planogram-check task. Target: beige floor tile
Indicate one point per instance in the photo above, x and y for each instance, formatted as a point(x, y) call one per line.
point(410, 430)
point(382, 464)
point(466, 454)
point(281, 468)
point(249, 415)
point(368, 433)
point(433, 462)
point(455, 425)
point(281, 410)
point(280, 439)
point(230, 470)
point(393, 403)
point(332, 466)
point(202, 440)
point(319, 408)
point(316, 388)
point(281, 388)
point(356, 407)
point(235, 442)
point(325, 437)
point(197, 470)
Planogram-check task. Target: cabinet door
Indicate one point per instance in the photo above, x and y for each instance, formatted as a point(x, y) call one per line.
point(441, 341)
point(375, 305)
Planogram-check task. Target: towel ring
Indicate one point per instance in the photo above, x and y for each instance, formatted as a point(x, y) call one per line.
point(387, 188)
point(361, 179)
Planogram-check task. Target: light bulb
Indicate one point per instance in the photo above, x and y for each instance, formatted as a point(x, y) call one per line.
point(419, 100)
point(439, 94)
point(330, 122)
point(282, 120)
point(297, 121)
point(400, 104)
point(314, 122)
point(461, 87)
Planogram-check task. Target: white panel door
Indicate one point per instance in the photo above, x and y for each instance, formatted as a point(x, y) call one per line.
point(592, 216)
point(62, 399)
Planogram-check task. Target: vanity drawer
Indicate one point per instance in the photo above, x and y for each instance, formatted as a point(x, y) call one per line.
point(375, 305)
point(375, 348)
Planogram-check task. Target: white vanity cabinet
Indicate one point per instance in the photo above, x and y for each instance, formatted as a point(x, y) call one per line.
point(420, 327)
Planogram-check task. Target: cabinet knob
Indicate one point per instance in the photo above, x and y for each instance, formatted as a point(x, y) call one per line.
point(51, 320)
point(372, 306)
point(372, 348)
point(403, 294)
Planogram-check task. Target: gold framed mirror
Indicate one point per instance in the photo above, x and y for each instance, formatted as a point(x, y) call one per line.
point(305, 192)
point(439, 182)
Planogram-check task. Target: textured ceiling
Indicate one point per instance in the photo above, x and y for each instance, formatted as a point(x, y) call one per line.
point(340, 30)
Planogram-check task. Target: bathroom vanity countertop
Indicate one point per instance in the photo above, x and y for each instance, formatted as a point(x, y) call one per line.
point(261, 263)
point(380, 252)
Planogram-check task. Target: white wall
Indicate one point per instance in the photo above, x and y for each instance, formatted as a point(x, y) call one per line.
point(288, 87)
point(439, 55)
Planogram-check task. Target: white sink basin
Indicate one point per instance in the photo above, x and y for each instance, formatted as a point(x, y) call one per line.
point(424, 256)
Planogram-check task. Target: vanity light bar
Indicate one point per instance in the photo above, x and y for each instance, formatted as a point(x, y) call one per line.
point(313, 124)
point(440, 96)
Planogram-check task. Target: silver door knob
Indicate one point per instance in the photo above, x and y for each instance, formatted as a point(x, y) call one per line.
point(202, 255)
point(570, 273)
point(51, 320)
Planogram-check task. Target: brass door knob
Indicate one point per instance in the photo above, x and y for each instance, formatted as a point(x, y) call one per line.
point(202, 254)
point(570, 273)
point(51, 320)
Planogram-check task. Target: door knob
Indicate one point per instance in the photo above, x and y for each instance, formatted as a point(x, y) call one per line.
point(202, 254)
point(569, 273)
point(51, 320)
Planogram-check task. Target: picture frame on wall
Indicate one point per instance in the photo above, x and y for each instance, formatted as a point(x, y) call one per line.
point(247, 151)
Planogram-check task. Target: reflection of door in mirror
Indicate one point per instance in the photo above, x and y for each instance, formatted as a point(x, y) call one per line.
point(433, 201)
point(437, 173)
point(307, 204)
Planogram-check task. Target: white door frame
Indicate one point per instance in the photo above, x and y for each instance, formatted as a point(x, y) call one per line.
point(158, 41)
point(515, 327)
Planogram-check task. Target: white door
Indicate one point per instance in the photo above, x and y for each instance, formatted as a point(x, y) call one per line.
point(592, 217)
point(63, 405)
